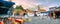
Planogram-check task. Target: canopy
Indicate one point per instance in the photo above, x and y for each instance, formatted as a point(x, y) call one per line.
point(6, 3)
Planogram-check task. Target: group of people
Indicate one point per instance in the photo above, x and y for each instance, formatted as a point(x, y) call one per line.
point(12, 20)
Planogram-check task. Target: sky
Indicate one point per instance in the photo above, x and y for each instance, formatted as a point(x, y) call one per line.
point(34, 3)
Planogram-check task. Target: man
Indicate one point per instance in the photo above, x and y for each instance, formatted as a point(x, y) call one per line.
point(20, 21)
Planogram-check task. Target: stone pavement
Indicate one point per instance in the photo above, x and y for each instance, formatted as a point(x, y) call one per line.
point(44, 20)
point(38, 20)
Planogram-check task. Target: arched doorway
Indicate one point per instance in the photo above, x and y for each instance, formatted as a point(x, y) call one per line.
point(57, 14)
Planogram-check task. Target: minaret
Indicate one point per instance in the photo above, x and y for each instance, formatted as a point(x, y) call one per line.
point(38, 7)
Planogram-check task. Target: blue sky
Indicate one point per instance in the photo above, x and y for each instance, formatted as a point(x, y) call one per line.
point(42, 2)
point(48, 2)
point(33, 3)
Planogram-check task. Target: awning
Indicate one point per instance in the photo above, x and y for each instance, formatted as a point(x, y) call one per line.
point(6, 4)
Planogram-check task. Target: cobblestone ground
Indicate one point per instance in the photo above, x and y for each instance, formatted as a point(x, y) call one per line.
point(46, 20)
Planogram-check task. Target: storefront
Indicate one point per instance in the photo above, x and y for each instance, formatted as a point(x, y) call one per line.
point(55, 14)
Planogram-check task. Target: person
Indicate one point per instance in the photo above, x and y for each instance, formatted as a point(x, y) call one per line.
point(1, 22)
point(13, 21)
point(26, 16)
point(8, 13)
point(35, 13)
point(20, 21)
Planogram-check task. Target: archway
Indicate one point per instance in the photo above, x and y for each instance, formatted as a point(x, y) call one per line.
point(57, 14)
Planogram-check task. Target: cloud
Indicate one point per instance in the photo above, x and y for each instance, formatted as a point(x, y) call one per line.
point(25, 3)
point(33, 3)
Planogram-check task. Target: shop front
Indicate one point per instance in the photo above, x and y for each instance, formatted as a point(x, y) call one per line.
point(55, 14)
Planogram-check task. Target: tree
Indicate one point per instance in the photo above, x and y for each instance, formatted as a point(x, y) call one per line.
point(18, 8)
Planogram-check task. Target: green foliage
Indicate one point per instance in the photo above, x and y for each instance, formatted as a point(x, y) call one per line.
point(11, 9)
point(19, 8)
